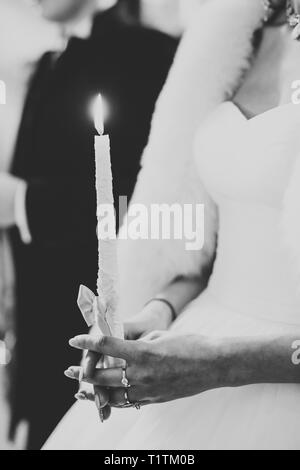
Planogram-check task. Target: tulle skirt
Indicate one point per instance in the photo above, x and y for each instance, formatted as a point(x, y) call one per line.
point(257, 417)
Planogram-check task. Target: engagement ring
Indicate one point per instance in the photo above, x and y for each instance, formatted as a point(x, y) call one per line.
point(125, 381)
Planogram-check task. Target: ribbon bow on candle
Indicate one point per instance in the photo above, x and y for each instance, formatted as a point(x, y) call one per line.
point(94, 311)
point(96, 314)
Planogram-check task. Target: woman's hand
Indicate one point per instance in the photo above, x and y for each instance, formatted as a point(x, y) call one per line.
point(174, 367)
point(166, 369)
point(155, 317)
point(150, 324)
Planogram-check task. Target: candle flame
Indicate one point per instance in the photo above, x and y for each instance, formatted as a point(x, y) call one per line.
point(99, 115)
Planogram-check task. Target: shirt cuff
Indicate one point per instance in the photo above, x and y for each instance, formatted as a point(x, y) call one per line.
point(20, 213)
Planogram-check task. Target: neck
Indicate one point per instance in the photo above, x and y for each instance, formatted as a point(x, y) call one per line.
point(79, 27)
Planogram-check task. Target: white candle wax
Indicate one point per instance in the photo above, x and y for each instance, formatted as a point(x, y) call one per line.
point(107, 283)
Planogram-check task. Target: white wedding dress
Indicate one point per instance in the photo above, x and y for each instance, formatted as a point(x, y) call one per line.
point(246, 166)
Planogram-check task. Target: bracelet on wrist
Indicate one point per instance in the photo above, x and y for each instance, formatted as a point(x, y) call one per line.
point(166, 302)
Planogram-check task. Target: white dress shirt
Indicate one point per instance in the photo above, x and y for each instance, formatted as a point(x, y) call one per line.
point(20, 213)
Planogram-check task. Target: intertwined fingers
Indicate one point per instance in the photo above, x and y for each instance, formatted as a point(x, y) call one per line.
point(108, 378)
point(108, 346)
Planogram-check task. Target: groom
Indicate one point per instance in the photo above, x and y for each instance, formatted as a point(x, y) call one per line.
point(50, 197)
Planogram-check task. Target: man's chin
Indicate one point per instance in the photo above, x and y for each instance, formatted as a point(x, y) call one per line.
point(56, 12)
point(54, 16)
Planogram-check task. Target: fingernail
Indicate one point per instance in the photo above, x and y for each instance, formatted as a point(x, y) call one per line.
point(73, 342)
point(98, 405)
point(80, 396)
point(98, 402)
point(69, 373)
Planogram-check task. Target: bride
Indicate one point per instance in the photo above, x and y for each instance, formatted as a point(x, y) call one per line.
point(225, 374)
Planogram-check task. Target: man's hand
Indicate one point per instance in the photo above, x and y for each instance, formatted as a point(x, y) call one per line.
point(8, 188)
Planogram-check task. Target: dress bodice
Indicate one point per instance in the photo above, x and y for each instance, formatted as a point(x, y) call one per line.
point(246, 166)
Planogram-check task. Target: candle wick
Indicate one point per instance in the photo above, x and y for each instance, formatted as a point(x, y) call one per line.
point(100, 131)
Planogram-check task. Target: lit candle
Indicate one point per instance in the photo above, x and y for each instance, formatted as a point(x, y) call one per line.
point(107, 284)
point(101, 311)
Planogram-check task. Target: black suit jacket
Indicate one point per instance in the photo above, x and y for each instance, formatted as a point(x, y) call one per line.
point(55, 155)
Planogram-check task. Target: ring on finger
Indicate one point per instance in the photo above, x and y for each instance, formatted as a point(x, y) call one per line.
point(127, 403)
point(125, 381)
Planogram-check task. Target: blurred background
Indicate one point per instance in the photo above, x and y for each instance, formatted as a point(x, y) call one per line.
point(24, 37)
point(19, 21)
